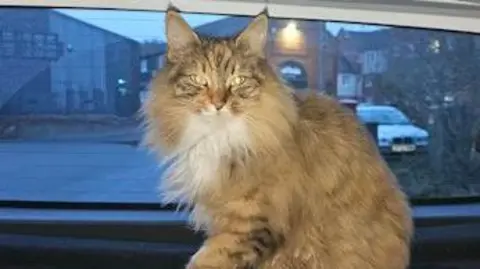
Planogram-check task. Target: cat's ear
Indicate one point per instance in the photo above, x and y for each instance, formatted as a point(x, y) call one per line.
point(179, 34)
point(254, 37)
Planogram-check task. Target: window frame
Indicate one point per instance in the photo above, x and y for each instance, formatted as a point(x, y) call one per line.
point(443, 234)
point(453, 16)
point(449, 225)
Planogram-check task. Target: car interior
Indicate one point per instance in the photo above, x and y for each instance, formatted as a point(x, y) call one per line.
point(78, 190)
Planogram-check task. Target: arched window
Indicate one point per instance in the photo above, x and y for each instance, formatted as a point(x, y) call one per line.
point(294, 74)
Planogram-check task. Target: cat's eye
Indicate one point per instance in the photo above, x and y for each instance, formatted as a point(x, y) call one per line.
point(238, 80)
point(199, 80)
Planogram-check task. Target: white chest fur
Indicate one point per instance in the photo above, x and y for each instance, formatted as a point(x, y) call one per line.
point(207, 140)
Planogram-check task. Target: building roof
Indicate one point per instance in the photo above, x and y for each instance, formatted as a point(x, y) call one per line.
point(68, 17)
point(364, 41)
point(224, 27)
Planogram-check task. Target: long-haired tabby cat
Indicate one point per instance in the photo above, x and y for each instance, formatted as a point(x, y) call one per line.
point(273, 181)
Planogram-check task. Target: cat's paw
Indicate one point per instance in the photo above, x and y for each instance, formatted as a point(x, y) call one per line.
point(225, 265)
point(206, 258)
point(195, 266)
point(211, 264)
point(201, 260)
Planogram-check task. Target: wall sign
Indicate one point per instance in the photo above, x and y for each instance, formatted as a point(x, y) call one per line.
point(45, 46)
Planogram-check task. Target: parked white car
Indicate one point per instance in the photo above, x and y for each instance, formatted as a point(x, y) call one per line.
point(396, 132)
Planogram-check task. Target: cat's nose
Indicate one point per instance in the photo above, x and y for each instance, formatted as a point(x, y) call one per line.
point(219, 105)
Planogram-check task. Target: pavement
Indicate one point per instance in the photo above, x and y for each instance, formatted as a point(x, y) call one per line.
point(77, 172)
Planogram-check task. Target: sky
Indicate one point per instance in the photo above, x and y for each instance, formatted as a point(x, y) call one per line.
point(145, 25)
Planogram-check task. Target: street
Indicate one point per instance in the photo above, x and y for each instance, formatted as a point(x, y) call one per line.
point(77, 172)
point(120, 172)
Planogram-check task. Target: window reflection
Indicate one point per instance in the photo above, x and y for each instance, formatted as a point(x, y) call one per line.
point(70, 76)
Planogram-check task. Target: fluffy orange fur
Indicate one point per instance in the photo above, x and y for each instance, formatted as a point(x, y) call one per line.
point(275, 182)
